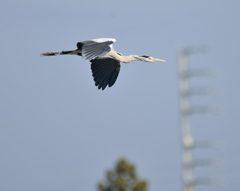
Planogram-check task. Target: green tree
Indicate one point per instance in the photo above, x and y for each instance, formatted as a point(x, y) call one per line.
point(122, 178)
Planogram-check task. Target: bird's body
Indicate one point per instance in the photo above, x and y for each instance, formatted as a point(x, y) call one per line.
point(106, 62)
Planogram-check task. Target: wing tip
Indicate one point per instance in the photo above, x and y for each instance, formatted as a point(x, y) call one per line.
point(100, 40)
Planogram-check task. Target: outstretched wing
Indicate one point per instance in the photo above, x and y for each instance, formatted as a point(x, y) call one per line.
point(105, 71)
point(92, 49)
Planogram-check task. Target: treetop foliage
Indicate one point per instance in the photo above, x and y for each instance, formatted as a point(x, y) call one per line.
point(122, 178)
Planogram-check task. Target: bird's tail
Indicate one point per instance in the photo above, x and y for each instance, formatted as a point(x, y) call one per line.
point(58, 53)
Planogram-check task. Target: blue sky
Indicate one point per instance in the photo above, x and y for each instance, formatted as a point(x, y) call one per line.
point(59, 132)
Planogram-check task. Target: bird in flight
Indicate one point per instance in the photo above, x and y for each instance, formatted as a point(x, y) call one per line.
point(105, 61)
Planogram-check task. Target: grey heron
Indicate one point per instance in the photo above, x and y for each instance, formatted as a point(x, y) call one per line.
point(105, 61)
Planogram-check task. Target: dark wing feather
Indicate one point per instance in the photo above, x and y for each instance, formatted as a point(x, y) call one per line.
point(105, 71)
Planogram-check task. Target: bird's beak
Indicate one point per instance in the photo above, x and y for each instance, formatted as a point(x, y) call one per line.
point(158, 60)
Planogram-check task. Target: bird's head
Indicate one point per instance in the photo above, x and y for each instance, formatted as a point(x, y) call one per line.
point(151, 59)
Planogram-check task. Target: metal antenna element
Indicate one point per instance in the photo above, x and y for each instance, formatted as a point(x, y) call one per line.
point(188, 142)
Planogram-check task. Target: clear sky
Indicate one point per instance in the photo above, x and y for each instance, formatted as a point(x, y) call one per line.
point(59, 132)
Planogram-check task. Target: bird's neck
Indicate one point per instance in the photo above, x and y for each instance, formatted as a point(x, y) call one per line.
point(130, 58)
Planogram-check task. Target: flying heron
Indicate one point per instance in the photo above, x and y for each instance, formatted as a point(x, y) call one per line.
point(106, 62)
